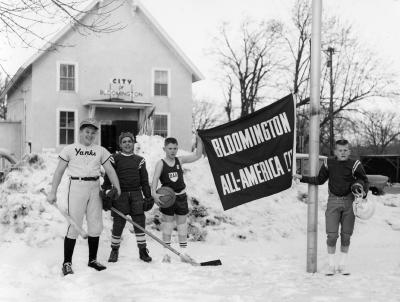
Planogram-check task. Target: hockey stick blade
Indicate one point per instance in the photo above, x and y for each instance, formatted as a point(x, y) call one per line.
point(185, 258)
point(211, 263)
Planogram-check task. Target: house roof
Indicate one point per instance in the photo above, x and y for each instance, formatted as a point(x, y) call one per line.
point(136, 4)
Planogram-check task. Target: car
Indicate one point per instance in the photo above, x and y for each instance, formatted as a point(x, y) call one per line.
point(377, 183)
point(303, 165)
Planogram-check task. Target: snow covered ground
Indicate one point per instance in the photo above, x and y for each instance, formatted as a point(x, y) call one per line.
point(262, 246)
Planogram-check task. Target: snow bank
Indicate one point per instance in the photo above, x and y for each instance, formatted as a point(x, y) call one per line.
point(26, 216)
point(262, 246)
point(24, 213)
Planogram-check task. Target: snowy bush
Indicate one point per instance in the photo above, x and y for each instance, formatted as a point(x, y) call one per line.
point(34, 161)
point(23, 209)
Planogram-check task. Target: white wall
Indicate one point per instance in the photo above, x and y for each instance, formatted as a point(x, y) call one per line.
point(130, 53)
point(18, 110)
point(10, 133)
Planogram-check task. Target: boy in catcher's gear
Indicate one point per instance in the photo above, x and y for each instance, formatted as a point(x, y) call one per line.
point(134, 180)
point(341, 172)
point(169, 171)
point(83, 161)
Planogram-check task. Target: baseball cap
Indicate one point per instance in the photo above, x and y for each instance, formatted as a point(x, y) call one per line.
point(88, 122)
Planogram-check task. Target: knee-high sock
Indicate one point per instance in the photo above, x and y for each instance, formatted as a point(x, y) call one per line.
point(167, 228)
point(93, 243)
point(140, 235)
point(182, 235)
point(331, 255)
point(343, 259)
point(331, 259)
point(116, 233)
point(115, 242)
point(140, 240)
point(69, 245)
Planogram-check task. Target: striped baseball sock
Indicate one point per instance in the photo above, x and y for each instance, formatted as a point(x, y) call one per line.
point(167, 228)
point(115, 241)
point(182, 235)
point(141, 240)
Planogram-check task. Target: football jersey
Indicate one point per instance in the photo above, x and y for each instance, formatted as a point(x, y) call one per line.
point(84, 161)
point(132, 173)
point(172, 176)
point(340, 175)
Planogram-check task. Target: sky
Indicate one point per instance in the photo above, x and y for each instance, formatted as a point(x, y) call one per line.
point(192, 24)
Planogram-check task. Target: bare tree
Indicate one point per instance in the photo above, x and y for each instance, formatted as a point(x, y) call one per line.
point(229, 98)
point(298, 42)
point(358, 74)
point(380, 129)
point(204, 114)
point(3, 105)
point(248, 59)
point(26, 22)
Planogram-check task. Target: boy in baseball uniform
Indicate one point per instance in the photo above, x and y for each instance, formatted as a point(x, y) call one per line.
point(83, 161)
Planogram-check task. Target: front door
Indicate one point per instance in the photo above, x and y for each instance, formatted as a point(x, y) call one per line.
point(110, 133)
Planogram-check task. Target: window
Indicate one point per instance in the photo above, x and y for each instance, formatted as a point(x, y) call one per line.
point(160, 125)
point(161, 83)
point(67, 77)
point(67, 127)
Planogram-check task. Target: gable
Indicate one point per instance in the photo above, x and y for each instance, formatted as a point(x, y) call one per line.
point(134, 14)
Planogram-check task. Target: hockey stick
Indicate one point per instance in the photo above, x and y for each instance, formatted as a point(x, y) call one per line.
point(184, 258)
point(70, 220)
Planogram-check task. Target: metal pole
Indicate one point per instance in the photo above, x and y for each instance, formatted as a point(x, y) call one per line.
point(312, 224)
point(331, 50)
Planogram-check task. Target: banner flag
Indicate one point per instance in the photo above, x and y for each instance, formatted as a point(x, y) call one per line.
point(251, 157)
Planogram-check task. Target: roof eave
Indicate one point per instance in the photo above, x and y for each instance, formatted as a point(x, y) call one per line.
point(45, 48)
point(14, 80)
point(195, 72)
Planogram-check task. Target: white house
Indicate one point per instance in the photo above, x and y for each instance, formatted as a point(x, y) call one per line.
point(118, 78)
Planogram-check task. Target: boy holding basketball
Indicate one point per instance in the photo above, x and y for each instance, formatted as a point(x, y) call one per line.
point(169, 171)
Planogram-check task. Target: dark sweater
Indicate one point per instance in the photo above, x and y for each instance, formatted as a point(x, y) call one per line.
point(131, 172)
point(341, 175)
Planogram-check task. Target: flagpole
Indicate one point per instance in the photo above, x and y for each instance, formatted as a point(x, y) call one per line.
point(312, 224)
point(294, 163)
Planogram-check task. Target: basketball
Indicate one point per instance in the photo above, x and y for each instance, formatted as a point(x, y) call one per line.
point(168, 196)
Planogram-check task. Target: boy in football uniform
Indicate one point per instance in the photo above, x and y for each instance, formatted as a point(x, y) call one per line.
point(83, 161)
point(341, 172)
point(170, 173)
point(134, 181)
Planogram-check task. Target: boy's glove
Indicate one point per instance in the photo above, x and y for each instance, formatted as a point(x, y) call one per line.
point(148, 203)
point(357, 188)
point(108, 196)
